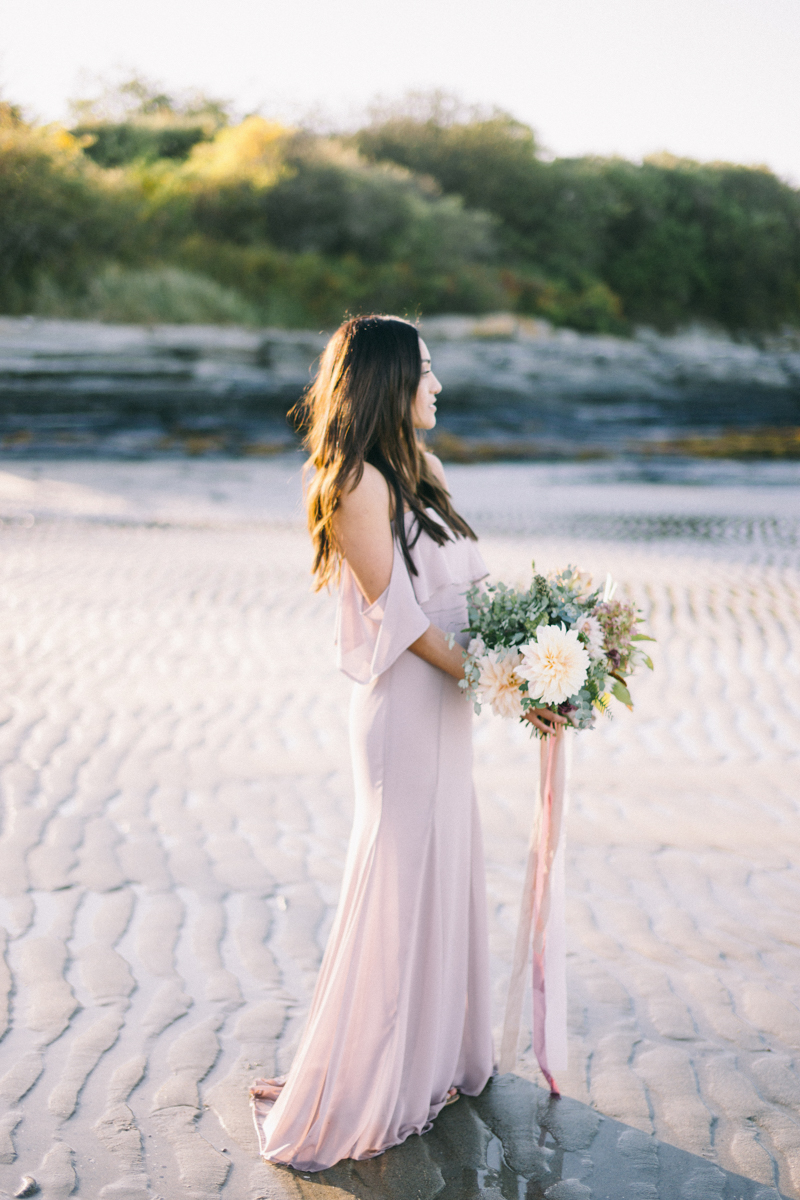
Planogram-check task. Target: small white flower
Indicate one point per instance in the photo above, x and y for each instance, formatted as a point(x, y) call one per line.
point(591, 627)
point(499, 682)
point(477, 647)
point(555, 665)
point(579, 581)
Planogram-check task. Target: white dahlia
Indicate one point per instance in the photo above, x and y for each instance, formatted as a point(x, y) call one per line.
point(499, 682)
point(591, 627)
point(555, 665)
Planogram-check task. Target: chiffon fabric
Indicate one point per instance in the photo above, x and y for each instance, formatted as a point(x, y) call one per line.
point(400, 1012)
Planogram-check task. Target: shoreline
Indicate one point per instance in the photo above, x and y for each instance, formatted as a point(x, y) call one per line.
point(516, 497)
point(512, 389)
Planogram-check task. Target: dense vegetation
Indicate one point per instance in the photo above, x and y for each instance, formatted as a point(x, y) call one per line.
point(153, 208)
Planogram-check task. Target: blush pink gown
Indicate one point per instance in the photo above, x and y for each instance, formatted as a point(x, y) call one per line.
point(400, 1012)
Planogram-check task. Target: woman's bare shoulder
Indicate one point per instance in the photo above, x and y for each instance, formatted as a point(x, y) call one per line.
point(435, 465)
point(369, 493)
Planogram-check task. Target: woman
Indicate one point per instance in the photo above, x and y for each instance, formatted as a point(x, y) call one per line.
point(399, 1023)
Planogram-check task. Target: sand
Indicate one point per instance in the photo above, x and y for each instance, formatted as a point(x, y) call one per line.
point(174, 769)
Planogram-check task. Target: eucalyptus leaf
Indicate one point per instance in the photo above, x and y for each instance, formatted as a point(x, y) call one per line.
point(622, 694)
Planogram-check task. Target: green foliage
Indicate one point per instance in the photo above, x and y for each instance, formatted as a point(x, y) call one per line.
point(667, 242)
point(59, 216)
point(296, 289)
point(115, 145)
point(159, 295)
point(714, 241)
point(348, 234)
point(548, 216)
point(503, 623)
point(134, 98)
point(505, 617)
point(428, 209)
point(334, 203)
point(489, 161)
point(588, 305)
point(295, 229)
point(136, 119)
point(618, 622)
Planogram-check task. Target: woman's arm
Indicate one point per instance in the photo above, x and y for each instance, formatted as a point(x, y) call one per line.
point(434, 647)
point(363, 528)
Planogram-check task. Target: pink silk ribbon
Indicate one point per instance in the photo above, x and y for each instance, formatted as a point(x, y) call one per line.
point(542, 900)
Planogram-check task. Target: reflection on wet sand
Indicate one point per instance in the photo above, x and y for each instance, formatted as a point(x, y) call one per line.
point(516, 1142)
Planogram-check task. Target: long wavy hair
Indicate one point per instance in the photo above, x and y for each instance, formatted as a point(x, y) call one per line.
point(359, 409)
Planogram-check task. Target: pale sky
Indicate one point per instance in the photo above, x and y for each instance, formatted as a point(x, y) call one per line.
point(708, 79)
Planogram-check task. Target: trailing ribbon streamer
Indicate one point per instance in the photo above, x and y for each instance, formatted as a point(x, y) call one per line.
point(541, 925)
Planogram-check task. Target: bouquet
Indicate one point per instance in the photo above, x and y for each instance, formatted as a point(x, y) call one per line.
point(560, 645)
point(564, 646)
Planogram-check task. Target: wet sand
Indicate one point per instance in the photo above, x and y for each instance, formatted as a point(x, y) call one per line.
point(174, 769)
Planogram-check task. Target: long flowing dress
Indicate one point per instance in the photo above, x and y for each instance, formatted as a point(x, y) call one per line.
point(400, 1012)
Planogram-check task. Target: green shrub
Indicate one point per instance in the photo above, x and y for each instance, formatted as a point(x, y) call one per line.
point(304, 289)
point(491, 162)
point(713, 241)
point(158, 295)
point(323, 199)
point(118, 144)
point(319, 231)
point(166, 208)
point(590, 306)
point(671, 240)
point(59, 214)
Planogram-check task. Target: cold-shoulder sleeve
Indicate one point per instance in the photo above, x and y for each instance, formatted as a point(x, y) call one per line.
point(371, 637)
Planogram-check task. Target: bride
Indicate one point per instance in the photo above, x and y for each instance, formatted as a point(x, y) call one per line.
point(399, 1023)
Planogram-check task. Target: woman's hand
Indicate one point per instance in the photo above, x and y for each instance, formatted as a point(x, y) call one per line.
point(544, 719)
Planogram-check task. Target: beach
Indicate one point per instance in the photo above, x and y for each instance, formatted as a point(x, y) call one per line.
point(175, 773)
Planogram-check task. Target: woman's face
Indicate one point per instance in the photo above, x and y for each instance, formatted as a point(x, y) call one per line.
point(424, 410)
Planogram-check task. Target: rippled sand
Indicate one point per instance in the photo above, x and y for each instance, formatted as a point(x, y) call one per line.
point(173, 761)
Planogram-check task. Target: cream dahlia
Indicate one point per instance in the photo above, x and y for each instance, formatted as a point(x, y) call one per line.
point(555, 665)
point(593, 631)
point(499, 682)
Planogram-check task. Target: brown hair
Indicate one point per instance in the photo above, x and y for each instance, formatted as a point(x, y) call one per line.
point(357, 410)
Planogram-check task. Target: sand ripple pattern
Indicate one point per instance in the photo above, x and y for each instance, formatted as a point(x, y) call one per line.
point(173, 762)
